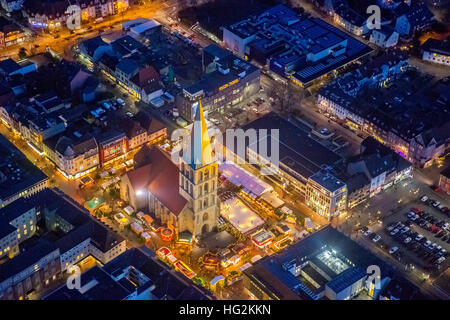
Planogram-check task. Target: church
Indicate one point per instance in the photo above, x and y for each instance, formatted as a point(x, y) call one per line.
point(180, 195)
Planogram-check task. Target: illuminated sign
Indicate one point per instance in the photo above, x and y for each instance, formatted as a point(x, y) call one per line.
point(229, 84)
point(277, 64)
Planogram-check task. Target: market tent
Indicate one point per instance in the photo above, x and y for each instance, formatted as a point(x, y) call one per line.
point(240, 177)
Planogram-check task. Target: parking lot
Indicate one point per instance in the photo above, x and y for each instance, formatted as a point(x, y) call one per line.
point(417, 236)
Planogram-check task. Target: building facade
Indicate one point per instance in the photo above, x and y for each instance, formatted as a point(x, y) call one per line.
point(227, 81)
point(326, 195)
point(53, 14)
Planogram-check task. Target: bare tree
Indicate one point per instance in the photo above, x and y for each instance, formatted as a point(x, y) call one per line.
point(286, 96)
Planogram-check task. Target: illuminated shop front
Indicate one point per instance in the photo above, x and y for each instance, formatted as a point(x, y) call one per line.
point(114, 148)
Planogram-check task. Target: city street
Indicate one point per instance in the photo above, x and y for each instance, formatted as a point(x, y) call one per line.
point(62, 41)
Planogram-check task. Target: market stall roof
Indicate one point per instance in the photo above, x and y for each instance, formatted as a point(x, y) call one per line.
point(240, 177)
point(129, 210)
point(217, 279)
point(140, 215)
point(272, 199)
point(245, 266)
point(240, 215)
point(255, 258)
point(185, 236)
point(145, 235)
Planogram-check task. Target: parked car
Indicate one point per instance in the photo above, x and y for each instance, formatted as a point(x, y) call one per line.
point(440, 260)
point(419, 237)
point(376, 238)
point(424, 199)
point(407, 240)
point(436, 204)
point(368, 232)
point(120, 101)
point(393, 250)
point(405, 229)
point(394, 232)
point(416, 210)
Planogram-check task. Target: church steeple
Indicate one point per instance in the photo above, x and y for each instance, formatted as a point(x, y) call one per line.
point(199, 179)
point(200, 154)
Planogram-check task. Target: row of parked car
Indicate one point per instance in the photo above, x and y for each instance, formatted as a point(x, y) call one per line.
point(425, 220)
point(376, 238)
point(436, 204)
point(432, 253)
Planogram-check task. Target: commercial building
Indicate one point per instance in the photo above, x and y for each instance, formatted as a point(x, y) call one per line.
point(444, 180)
point(295, 46)
point(326, 194)
point(93, 49)
point(10, 33)
point(393, 116)
point(417, 18)
point(127, 62)
point(74, 155)
point(18, 176)
point(17, 224)
point(83, 147)
point(227, 81)
point(68, 236)
point(381, 166)
point(325, 265)
point(385, 37)
point(136, 274)
point(35, 125)
point(112, 145)
point(436, 51)
point(144, 29)
point(299, 159)
point(358, 186)
point(53, 14)
point(351, 20)
point(9, 67)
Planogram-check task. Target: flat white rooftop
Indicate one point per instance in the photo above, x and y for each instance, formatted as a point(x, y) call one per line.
point(240, 215)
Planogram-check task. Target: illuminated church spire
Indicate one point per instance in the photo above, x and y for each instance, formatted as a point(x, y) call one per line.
point(201, 151)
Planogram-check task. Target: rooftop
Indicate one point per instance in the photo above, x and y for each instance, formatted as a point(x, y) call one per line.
point(298, 42)
point(437, 46)
point(96, 284)
point(329, 250)
point(327, 180)
point(160, 176)
point(240, 216)
point(17, 173)
point(297, 151)
point(168, 284)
